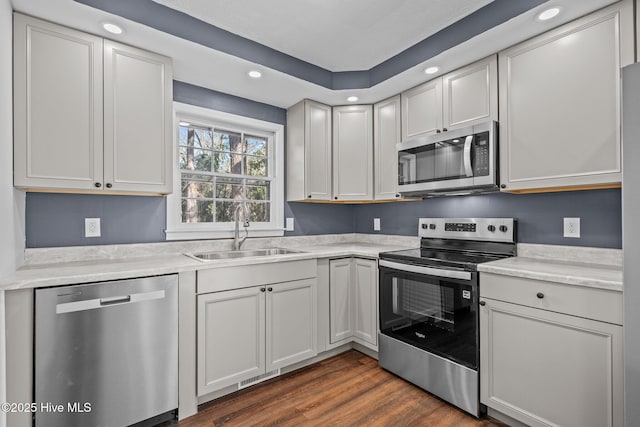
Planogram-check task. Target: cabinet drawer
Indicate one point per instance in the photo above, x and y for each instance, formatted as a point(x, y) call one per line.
point(591, 303)
point(244, 276)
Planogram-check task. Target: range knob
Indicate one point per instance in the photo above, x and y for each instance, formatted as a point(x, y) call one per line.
point(425, 226)
point(491, 228)
point(432, 226)
point(503, 228)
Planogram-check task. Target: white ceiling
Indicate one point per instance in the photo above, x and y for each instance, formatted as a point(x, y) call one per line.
point(205, 67)
point(337, 35)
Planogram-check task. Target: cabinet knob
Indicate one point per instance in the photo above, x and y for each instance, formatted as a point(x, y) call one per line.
point(482, 303)
point(397, 195)
point(98, 185)
point(540, 295)
point(503, 185)
point(444, 129)
point(270, 289)
point(438, 131)
point(336, 198)
point(109, 185)
point(309, 196)
point(262, 289)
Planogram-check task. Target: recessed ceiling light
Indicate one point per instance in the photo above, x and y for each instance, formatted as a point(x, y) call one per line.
point(255, 74)
point(185, 124)
point(431, 70)
point(112, 28)
point(548, 14)
point(352, 98)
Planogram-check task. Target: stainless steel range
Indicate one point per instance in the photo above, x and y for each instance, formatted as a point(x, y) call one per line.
point(429, 305)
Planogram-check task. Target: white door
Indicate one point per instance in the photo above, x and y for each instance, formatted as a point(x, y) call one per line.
point(386, 134)
point(291, 332)
point(365, 283)
point(231, 330)
point(340, 297)
point(353, 152)
point(138, 94)
point(470, 94)
point(57, 106)
point(317, 140)
point(545, 368)
point(422, 110)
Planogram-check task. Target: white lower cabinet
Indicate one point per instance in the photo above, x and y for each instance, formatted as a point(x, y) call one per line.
point(244, 333)
point(353, 302)
point(547, 368)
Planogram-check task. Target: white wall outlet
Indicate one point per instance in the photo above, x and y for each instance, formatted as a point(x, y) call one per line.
point(289, 225)
point(572, 227)
point(92, 227)
point(376, 224)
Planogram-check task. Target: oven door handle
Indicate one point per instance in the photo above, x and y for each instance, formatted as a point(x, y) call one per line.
point(468, 170)
point(438, 272)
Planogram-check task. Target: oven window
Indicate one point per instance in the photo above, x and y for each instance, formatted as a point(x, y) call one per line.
point(434, 314)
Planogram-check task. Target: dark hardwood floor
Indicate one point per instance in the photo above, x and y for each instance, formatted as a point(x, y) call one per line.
point(346, 390)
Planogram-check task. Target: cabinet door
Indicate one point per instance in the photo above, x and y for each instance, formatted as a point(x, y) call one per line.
point(422, 110)
point(386, 134)
point(231, 330)
point(291, 333)
point(353, 152)
point(138, 94)
point(57, 106)
point(365, 283)
point(545, 368)
point(560, 103)
point(470, 94)
point(340, 297)
point(317, 153)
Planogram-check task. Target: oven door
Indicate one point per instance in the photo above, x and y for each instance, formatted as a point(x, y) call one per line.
point(432, 309)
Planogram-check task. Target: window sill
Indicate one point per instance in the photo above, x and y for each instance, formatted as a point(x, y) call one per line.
point(220, 234)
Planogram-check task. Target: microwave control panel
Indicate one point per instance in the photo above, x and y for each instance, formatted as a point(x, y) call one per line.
point(481, 154)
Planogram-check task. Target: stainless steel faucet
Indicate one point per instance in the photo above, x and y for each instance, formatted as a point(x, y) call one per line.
point(237, 242)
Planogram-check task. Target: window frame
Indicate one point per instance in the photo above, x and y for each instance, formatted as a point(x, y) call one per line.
point(176, 229)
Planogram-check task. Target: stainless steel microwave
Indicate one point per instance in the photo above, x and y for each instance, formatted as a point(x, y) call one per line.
point(456, 161)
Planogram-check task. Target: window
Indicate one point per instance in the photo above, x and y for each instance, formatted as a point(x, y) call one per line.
point(225, 162)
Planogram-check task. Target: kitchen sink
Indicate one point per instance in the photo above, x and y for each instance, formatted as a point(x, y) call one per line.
point(209, 256)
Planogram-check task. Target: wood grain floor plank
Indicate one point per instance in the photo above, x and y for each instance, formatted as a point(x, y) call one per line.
point(346, 390)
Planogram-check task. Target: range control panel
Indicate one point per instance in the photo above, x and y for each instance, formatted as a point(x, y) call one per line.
point(489, 229)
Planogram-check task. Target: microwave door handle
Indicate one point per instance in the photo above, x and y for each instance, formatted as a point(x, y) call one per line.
point(467, 156)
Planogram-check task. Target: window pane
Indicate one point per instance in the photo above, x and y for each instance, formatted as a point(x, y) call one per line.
point(229, 188)
point(224, 210)
point(202, 138)
point(259, 212)
point(256, 166)
point(256, 146)
point(195, 159)
point(197, 189)
point(227, 141)
point(258, 190)
point(194, 210)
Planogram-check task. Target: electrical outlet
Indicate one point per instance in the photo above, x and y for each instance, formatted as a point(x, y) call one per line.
point(289, 225)
point(92, 227)
point(572, 227)
point(376, 224)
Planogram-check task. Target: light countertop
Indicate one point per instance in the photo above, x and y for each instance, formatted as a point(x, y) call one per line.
point(96, 270)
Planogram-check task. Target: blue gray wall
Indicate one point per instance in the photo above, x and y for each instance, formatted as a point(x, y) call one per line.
point(540, 216)
point(58, 219)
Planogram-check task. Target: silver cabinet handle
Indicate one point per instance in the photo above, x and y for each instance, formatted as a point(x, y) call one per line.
point(97, 303)
point(115, 300)
point(436, 272)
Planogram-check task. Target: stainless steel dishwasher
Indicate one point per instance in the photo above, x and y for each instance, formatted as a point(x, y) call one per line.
point(106, 354)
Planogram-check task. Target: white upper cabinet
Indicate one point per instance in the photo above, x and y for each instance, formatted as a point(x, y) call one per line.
point(458, 99)
point(386, 134)
point(89, 115)
point(560, 104)
point(309, 151)
point(57, 106)
point(137, 119)
point(353, 152)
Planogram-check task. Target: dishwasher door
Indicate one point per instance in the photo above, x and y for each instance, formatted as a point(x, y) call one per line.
point(106, 354)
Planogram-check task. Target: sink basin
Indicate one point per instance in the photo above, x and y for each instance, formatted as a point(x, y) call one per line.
point(207, 256)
